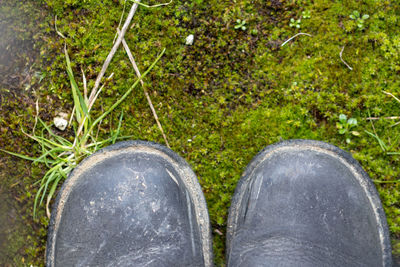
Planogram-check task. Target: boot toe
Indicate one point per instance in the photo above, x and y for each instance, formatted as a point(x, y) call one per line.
point(306, 203)
point(130, 205)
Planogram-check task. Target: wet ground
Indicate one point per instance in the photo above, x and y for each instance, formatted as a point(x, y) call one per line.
point(16, 48)
point(21, 239)
point(17, 57)
point(12, 226)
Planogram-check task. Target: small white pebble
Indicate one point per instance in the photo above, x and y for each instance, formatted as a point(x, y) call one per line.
point(60, 123)
point(189, 39)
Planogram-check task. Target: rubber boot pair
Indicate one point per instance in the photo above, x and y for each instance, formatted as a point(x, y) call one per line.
point(299, 203)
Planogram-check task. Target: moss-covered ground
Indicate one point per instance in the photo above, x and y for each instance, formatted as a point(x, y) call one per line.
point(221, 100)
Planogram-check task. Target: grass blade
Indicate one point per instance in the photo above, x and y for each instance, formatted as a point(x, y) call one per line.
point(43, 157)
point(20, 155)
point(115, 135)
point(380, 142)
point(59, 138)
point(50, 194)
point(79, 102)
point(124, 96)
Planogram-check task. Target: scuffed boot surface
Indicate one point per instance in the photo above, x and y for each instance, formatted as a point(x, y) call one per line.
point(306, 203)
point(131, 204)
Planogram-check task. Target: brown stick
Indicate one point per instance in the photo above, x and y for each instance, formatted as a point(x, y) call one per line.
point(135, 67)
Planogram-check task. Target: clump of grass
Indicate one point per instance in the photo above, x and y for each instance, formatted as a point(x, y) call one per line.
point(62, 156)
point(386, 149)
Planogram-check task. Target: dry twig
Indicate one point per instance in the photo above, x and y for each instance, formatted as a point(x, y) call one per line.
point(57, 31)
point(344, 62)
point(387, 93)
point(112, 52)
point(36, 117)
point(151, 6)
point(386, 118)
point(135, 67)
point(294, 36)
point(120, 21)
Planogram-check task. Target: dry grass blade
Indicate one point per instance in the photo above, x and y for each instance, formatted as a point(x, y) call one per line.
point(386, 118)
point(151, 6)
point(135, 67)
point(113, 50)
point(341, 58)
point(390, 94)
point(294, 36)
point(58, 154)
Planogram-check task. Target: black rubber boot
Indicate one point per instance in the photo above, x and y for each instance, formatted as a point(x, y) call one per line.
point(130, 204)
point(306, 203)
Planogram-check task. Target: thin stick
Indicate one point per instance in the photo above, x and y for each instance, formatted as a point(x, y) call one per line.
point(397, 123)
point(36, 117)
point(135, 67)
point(294, 36)
point(218, 232)
point(84, 86)
point(72, 116)
point(132, 59)
point(341, 58)
point(386, 118)
point(120, 21)
point(148, 6)
point(102, 116)
point(89, 108)
point(98, 92)
point(386, 182)
point(387, 93)
point(98, 128)
point(113, 50)
point(55, 26)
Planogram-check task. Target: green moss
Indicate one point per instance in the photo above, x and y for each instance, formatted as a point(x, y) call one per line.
point(233, 92)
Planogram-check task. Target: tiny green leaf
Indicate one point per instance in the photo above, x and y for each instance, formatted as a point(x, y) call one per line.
point(352, 122)
point(342, 118)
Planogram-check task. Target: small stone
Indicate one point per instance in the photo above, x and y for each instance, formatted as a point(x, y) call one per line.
point(60, 123)
point(189, 39)
point(63, 115)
